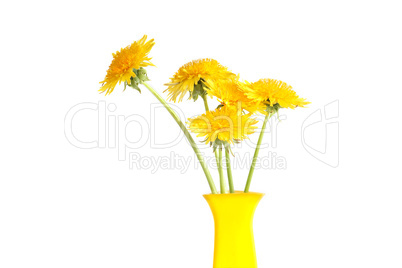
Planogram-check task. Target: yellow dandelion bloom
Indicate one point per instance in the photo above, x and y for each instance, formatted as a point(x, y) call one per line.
point(124, 61)
point(231, 93)
point(223, 124)
point(189, 75)
point(271, 92)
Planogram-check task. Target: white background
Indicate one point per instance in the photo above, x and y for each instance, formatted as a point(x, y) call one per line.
point(62, 206)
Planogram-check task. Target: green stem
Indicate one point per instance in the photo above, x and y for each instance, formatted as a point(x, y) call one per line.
point(221, 178)
point(229, 170)
point(204, 97)
point(257, 150)
point(188, 136)
point(225, 188)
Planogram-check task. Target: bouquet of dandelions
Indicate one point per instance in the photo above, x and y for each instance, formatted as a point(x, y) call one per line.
point(231, 122)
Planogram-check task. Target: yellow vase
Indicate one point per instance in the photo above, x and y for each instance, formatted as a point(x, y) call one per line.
point(234, 239)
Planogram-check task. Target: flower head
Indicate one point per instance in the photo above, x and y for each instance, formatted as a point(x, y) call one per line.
point(274, 93)
point(223, 125)
point(192, 73)
point(124, 61)
point(231, 93)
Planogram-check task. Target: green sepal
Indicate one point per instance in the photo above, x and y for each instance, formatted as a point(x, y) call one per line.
point(142, 74)
point(140, 77)
point(214, 146)
point(134, 82)
point(218, 144)
point(199, 90)
point(229, 149)
point(273, 109)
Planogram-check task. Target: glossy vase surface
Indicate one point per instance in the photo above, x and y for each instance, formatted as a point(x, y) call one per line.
point(234, 239)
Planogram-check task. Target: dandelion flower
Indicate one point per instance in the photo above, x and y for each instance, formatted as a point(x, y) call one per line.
point(231, 93)
point(124, 61)
point(190, 74)
point(273, 92)
point(224, 124)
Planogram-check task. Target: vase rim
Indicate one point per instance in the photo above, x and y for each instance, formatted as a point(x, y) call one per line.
point(236, 193)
